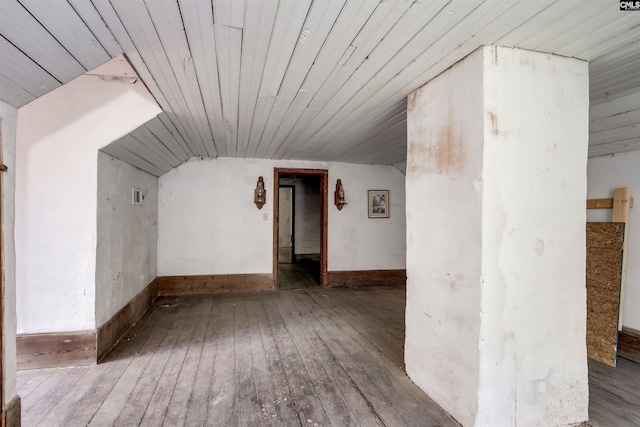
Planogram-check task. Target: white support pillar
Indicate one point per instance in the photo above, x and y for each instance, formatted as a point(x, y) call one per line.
point(496, 186)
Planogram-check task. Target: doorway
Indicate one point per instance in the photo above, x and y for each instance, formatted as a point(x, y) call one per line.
point(300, 228)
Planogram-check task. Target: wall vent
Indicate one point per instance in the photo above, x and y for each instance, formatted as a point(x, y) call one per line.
point(136, 197)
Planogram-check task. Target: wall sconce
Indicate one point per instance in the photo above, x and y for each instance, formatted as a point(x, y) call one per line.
point(259, 195)
point(339, 195)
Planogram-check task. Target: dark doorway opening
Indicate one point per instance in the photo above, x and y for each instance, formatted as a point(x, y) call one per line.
point(300, 212)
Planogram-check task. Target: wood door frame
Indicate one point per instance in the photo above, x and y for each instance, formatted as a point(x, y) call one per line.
point(293, 218)
point(2, 325)
point(324, 215)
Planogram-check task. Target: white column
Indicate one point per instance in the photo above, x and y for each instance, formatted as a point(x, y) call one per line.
point(496, 186)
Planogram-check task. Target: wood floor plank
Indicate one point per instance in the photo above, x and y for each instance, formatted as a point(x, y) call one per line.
point(283, 401)
point(35, 378)
point(270, 358)
point(24, 377)
point(341, 350)
point(138, 400)
point(381, 329)
point(329, 394)
point(48, 394)
point(359, 406)
point(57, 415)
point(609, 404)
point(159, 402)
point(223, 384)
point(245, 403)
point(627, 378)
point(390, 380)
point(299, 275)
point(194, 382)
point(119, 393)
point(78, 407)
point(264, 386)
point(310, 409)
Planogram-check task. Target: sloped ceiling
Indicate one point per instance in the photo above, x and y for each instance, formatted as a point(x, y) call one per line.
point(294, 79)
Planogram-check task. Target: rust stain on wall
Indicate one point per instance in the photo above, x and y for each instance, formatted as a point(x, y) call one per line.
point(411, 101)
point(446, 155)
point(525, 61)
point(449, 153)
point(495, 128)
point(417, 158)
point(494, 122)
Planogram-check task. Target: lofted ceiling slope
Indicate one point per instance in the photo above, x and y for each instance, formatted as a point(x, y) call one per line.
point(296, 79)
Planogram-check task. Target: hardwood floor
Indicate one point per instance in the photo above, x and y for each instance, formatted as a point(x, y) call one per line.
point(283, 358)
point(302, 274)
point(309, 357)
point(614, 394)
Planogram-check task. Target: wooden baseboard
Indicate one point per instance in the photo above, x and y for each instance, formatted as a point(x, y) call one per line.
point(50, 350)
point(629, 344)
point(182, 285)
point(11, 413)
point(366, 278)
point(111, 332)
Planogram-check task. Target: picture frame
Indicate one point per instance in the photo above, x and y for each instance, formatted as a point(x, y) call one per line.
point(378, 203)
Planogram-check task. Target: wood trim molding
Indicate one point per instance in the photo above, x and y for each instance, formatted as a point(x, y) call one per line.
point(115, 328)
point(367, 278)
point(11, 413)
point(51, 350)
point(629, 344)
point(206, 284)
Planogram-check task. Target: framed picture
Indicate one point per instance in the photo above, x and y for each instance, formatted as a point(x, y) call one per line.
point(378, 203)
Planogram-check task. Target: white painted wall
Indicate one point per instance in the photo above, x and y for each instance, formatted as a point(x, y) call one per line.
point(444, 217)
point(8, 115)
point(604, 174)
point(126, 252)
point(496, 183)
point(307, 223)
point(357, 242)
point(208, 224)
point(285, 215)
point(58, 137)
point(534, 243)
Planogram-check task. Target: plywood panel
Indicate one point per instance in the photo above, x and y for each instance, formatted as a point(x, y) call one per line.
point(604, 266)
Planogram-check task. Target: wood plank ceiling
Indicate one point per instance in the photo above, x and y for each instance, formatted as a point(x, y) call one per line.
point(297, 79)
